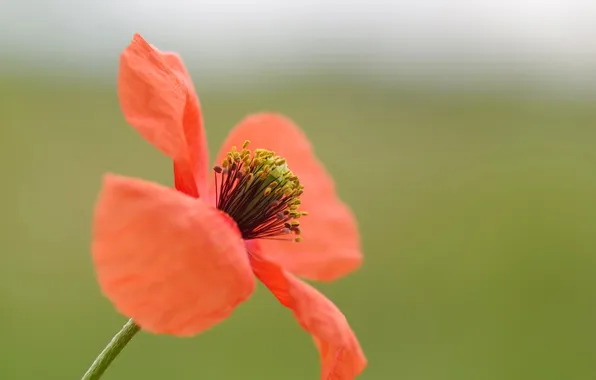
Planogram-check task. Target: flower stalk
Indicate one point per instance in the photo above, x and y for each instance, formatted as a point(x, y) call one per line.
point(109, 353)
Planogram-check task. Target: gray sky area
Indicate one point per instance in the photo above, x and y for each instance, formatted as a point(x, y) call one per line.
point(548, 41)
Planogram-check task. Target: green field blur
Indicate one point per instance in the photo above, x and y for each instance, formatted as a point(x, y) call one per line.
point(478, 216)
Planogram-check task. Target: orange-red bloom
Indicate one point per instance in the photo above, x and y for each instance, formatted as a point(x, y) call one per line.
point(176, 264)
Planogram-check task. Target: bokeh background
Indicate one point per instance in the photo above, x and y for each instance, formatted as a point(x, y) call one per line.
point(462, 133)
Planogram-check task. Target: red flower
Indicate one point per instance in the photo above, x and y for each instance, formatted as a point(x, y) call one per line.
point(180, 260)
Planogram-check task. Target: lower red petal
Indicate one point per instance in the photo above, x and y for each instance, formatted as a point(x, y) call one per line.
point(339, 350)
point(171, 262)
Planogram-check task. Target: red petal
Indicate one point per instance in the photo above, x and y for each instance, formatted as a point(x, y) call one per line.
point(339, 350)
point(171, 262)
point(198, 165)
point(331, 245)
point(158, 99)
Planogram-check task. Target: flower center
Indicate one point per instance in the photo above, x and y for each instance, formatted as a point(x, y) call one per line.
point(261, 194)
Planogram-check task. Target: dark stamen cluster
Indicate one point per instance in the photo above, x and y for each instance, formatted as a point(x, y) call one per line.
point(260, 193)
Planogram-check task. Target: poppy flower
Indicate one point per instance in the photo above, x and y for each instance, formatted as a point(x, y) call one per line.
point(179, 260)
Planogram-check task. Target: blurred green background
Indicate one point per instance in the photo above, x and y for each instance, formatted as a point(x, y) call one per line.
point(477, 214)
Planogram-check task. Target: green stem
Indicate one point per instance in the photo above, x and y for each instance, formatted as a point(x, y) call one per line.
point(105, 358)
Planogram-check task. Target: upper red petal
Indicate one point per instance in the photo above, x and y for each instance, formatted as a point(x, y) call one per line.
point(158, 99)
point(171, 262)
point(194, 131)
point(331, 245)
point(340, 353)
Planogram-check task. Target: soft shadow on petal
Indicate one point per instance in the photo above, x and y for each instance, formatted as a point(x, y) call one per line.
point(171, 262)
point(198, 164)
point(158, 99)
point(331, 245)
point(340, 353)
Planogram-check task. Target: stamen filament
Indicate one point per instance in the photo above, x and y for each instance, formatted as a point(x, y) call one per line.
point(259, 192)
